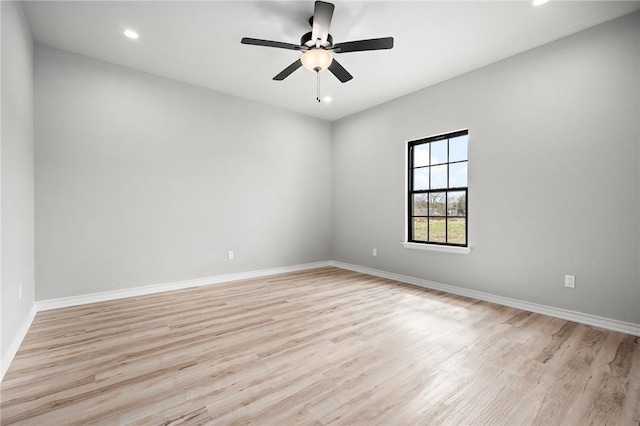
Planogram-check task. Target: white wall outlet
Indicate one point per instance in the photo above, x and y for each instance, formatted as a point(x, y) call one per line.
point(19, 291)
point(374, 252)
point(570, 281)
point(230, 255)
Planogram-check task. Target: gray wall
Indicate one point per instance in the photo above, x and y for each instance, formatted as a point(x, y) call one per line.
point(144, 180)
point(17, 215)
point(554, 175)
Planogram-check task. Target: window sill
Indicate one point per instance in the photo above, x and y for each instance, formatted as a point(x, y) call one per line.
point(436, 247)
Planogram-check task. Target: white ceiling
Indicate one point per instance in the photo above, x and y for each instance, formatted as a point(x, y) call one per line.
point(199, 42)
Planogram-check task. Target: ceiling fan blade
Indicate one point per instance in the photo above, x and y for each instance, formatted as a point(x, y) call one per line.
point(288, 70)
point(339, 71)
point(269, 43)
point(322, 14)
point(362, 45)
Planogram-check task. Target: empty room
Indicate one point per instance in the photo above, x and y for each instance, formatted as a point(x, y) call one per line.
point(313, 213)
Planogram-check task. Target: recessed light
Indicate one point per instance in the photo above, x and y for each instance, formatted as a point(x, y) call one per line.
point(539, 2)
point(327, 99)
point(131, 34)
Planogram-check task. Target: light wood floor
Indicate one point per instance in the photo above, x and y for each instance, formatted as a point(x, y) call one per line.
point(325, 346)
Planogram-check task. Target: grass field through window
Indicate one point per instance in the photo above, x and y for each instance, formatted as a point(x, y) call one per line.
point(456, 228)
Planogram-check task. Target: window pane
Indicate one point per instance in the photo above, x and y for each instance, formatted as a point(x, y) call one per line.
point(421, 179)
point(456, 230)
point(420, 228)
point(437, 230)
point(421, 155)
point(437, 204)
point(439, 177)
point(458, 148)
point(420, 205)
point(457, 175)
point(439, 152)
point(456, 203)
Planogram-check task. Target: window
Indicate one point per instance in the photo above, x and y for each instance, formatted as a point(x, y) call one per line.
point(438, 190)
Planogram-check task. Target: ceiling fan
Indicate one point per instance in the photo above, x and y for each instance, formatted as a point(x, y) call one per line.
point(318, 46)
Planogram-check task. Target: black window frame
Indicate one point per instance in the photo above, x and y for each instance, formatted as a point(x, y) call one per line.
point(411, 192)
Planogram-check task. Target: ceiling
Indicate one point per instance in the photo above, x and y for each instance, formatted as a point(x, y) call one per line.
point(199, 42)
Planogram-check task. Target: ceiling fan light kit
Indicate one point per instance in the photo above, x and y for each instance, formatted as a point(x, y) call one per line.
point(316, 59)
point(318, 46)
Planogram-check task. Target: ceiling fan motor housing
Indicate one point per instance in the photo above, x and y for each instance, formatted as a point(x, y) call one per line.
point(307, 40)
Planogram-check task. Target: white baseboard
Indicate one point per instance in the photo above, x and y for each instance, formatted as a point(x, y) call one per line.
point(65, 302)
point(11, 351)
point(606, 323)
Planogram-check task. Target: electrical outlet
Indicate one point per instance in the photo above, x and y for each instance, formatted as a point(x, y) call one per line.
point(230, 255)
point(570, 281)
point(19, 291)
point(374, 252)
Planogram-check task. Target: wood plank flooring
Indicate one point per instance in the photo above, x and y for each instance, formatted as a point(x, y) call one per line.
point(318, 347)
